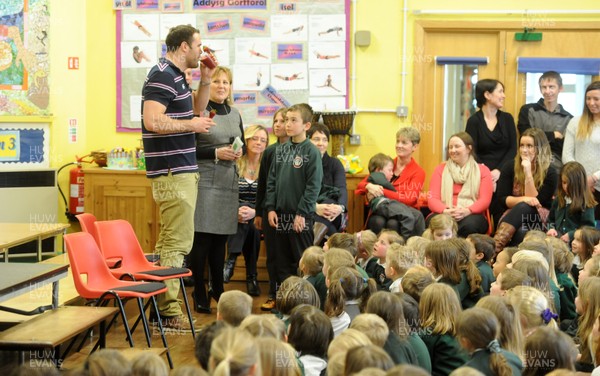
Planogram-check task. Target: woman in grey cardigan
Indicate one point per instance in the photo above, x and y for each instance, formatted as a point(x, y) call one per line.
point(216, 215)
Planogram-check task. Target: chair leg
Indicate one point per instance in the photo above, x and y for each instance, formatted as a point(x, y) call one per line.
point(187, 306)
point(144, 321)
point(125, 323)
point(162, 332)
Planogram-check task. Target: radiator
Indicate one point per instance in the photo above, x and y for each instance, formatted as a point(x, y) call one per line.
point(29, 196)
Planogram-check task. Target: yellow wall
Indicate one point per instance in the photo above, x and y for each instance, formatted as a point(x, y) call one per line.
point(87, 29)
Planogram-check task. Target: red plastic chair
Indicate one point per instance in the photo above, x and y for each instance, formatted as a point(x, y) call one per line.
point(87, 220)
point(94, 281)
point(118, 241)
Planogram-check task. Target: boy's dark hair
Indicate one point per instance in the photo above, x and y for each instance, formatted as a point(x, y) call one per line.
point(310, 331)
point(483, 244)
point(551, 75)
point(378, 161)
point(204, 339)
point(306, 111)
point(344, 241)
point(318, 127)
point(410, 309)
point(178, 35)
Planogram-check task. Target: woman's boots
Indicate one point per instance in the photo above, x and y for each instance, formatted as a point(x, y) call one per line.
point(503, 236)
point(229, 266)
point(252, 285)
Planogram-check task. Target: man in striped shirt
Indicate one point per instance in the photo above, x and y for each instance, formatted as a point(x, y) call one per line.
point(168, 133)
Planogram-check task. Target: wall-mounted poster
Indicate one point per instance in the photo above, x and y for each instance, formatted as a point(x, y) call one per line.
point(280, 53)
point(24, 57)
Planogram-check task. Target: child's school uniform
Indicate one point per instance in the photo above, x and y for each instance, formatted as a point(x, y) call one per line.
point(565, 222)
point(555, 296)
point(487, 276)
point(480, 360)
point(293, 186)
point(318, 282)
point(445, 353)
point(396, 286)
point(340, 323)
point(576, 268)
point(377, 271)
point(400, 350)
point(420, 349)
point(313, 365)
point(463, 290)
point(568, 292)
point(351, 307)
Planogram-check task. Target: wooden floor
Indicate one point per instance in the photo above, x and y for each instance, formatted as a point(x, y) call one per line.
point(181, 345)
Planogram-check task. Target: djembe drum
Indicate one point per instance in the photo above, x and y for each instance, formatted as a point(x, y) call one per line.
point(339, 124)
point(316, 117)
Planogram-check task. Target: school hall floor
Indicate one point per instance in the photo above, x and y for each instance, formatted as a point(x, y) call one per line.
point(181, 345)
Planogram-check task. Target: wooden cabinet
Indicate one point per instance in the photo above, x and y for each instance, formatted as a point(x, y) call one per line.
point(356, 204)
point(115, 194)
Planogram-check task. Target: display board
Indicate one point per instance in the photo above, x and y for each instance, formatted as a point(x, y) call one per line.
point(24, 58)
point(280, 52)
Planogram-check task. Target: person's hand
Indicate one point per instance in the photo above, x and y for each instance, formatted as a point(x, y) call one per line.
point(299, 223)
point(532, 201)
point(461, 213)
point(273, 221)
point(202, 124)
point(565, 238)
point(552, 232)
point(526, 164)
point(558, 135)
point(226, 153)
point(374, 189)
point(245, 214)
point(321, 210)
point(495, 175)
point(258, 223)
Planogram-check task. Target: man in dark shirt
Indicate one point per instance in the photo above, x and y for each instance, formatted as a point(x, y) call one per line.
point(548, 115)
point(168, 133)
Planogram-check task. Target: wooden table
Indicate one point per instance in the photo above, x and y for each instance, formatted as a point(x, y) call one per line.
point(13, 234)
point(19, 278)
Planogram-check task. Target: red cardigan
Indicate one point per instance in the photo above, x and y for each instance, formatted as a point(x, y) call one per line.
point(408, 185)
point(486, 189)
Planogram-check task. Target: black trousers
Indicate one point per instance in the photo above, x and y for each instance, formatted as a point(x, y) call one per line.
point(269, 233)
point(290, 245)
point(524, 218)
point(211, 248)
point(246, 241)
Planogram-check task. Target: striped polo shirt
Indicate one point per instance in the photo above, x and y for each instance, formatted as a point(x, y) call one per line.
point(175, 152)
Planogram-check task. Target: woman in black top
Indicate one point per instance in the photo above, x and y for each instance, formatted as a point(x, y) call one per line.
point(333, 198)
point(493, 131)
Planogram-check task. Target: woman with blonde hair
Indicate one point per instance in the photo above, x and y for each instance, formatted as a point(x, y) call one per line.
point(247, 238)
point(233, 353)
point(525, 189)
point(216, 214)
point(582, 140)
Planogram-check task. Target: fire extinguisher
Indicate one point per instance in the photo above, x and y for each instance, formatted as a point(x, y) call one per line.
point(76, 189)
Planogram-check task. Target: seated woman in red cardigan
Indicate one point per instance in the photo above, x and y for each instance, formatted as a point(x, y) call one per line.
point(462, 188)
point(408, 180)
